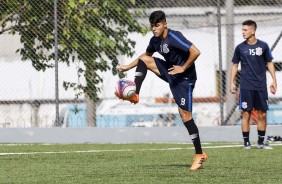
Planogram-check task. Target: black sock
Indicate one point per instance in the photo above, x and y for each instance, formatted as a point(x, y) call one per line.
point(246, 136)
point(140, 74)
point(194, 134)
point(261, 135)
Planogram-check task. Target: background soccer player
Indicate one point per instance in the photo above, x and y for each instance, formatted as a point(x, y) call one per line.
point(178, 69)
point(255, 56)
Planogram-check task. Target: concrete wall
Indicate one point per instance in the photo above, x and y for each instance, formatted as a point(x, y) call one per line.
point(126, 135)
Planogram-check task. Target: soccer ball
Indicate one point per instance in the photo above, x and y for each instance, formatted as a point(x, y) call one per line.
point(125, 88)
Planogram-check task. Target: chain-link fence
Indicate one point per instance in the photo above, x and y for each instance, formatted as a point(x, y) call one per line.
point(59, 69)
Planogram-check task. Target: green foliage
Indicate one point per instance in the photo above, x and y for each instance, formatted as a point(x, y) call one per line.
point(94, 32)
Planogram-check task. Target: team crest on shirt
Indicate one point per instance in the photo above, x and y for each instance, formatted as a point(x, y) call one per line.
point(259, 51)
point(244, 105)
point(165, 48)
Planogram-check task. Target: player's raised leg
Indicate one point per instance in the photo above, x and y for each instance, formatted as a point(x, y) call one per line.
point(140, 74)
point(143, 63)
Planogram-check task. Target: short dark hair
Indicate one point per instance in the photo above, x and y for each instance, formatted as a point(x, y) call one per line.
point(250, 23)
point(157, 16)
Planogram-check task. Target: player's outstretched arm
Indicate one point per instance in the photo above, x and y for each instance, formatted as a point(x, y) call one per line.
point(234, 71)
point(124, 68)
point(271, 69)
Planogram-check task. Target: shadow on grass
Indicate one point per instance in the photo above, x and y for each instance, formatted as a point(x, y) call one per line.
point(178, 165)
point(167, 166)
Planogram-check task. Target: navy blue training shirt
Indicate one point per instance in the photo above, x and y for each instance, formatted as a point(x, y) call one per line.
point(175, 50)
point(253, 60)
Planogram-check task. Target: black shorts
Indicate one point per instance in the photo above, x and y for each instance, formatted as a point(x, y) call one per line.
point(253, 99)
point(181, 88)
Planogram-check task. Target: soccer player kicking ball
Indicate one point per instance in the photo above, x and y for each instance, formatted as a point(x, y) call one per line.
point(178, 70)
point(254, 56)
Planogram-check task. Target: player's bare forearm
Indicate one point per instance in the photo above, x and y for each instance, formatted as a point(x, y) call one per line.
point(234, 71)
point(271, 69)
point(124, 68)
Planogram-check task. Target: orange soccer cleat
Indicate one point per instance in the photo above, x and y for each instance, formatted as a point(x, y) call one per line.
point(133, 99)
point(199, 159)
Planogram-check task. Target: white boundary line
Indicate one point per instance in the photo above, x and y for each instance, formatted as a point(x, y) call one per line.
point(124, 150)
point(32, 144)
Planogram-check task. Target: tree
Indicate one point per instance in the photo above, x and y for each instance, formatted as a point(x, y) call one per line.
point(91, 31)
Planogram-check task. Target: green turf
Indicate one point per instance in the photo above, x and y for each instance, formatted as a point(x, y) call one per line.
point(138, 163)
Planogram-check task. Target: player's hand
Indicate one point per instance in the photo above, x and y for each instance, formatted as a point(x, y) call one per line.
point(122, 68)
point(232, 88)
point(273, 88)
point(175, 70)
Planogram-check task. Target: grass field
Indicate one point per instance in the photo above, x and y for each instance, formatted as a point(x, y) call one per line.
point(137, 163)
